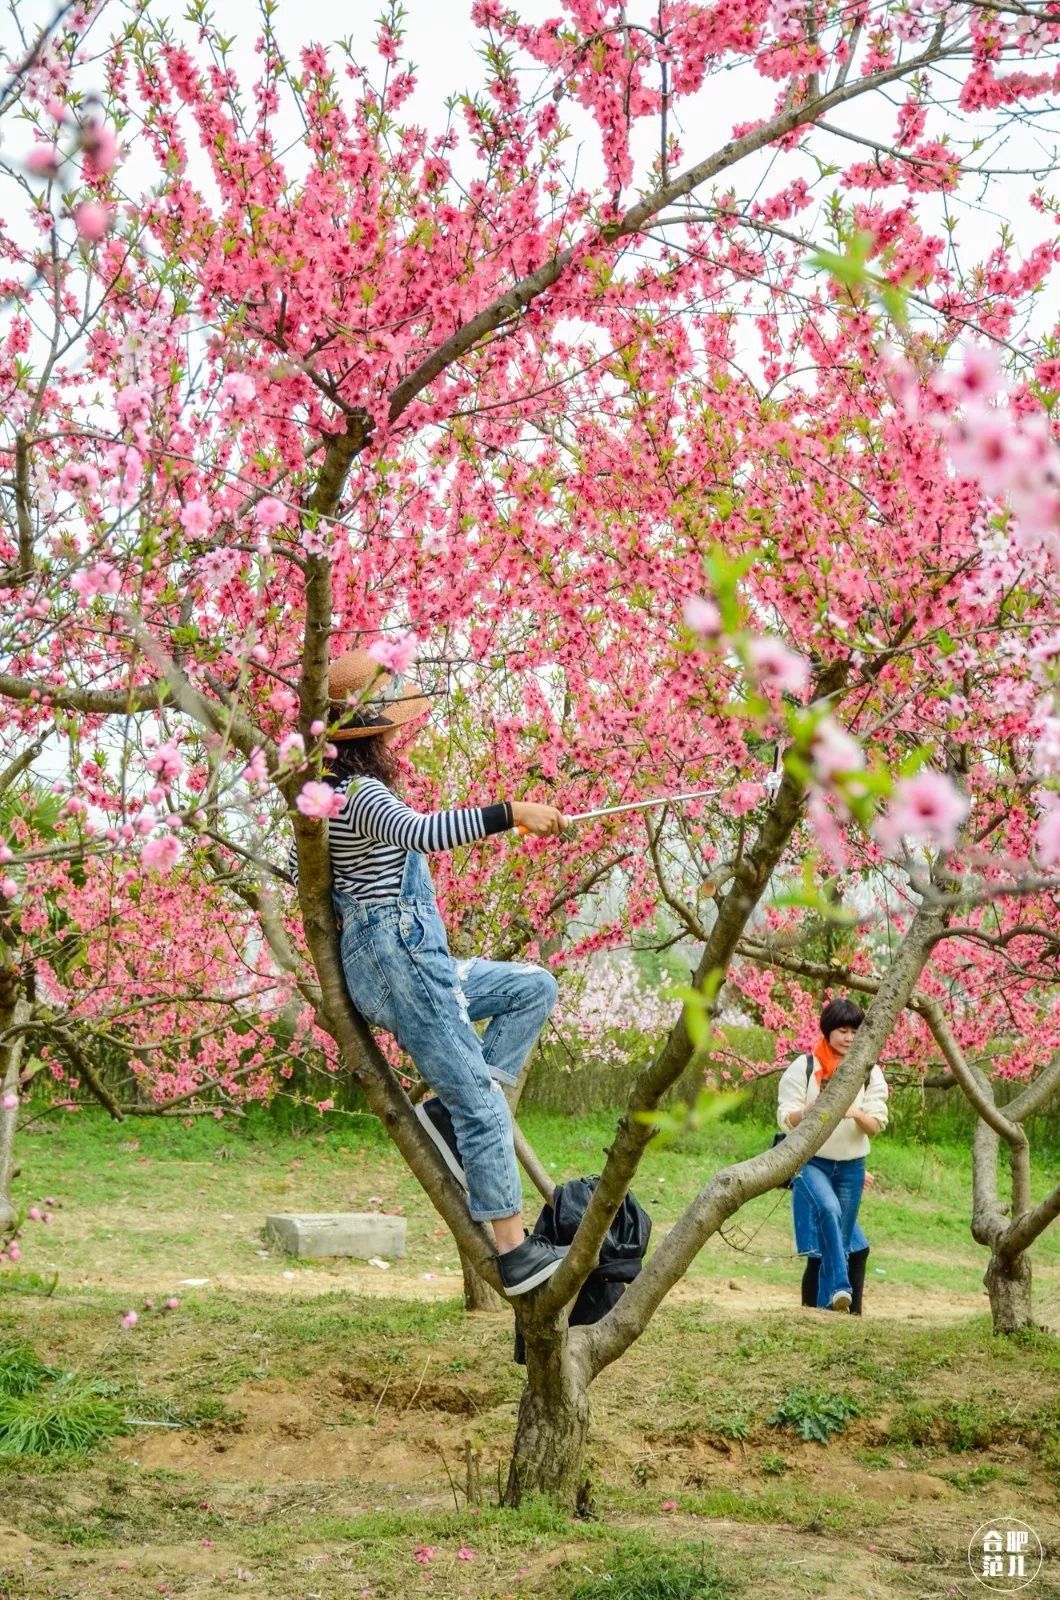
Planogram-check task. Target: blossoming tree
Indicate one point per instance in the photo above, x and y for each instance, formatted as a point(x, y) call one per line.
point(960, 897)
point(268, 394)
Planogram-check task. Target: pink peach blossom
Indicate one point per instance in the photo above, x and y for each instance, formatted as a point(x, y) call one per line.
point(43, 160)
point(270, 512)
point(777, 667)
point(1047, 835)
point(99, 149)
point(92, 220)
point(167, 762)
point(162, 853)
point(926, 809)
point(395, 654)
point(1045, 758)
point(257, 768)
point(195, 518)
point(103, 577)
point(702, 616)
point(320, 800)
point(828, 831)
point(834, 750)
point(291, 749)
point(282, 700)
point(238, 386)
point(980, 376)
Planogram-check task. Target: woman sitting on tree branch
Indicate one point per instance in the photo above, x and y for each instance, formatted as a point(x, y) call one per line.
point(396, 960)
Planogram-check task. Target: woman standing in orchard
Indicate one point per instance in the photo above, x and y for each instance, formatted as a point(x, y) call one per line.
point(826, 1192)
point(396, 960)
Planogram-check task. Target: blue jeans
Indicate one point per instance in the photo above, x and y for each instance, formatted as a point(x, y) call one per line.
point(401, 978)
point(825, 1199)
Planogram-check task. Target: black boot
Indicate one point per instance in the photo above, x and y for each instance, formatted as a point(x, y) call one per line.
point(810, 1279)
point(857, 1260)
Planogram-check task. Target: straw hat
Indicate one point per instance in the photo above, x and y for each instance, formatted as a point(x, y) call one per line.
point(366, 699)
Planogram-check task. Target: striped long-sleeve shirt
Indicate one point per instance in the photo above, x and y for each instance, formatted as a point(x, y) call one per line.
point(374, 832)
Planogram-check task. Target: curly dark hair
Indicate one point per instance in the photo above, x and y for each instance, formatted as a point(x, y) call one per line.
point(365, 758)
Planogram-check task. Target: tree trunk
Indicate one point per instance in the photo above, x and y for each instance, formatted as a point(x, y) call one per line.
point(478, 1296)
point(8, 1213)
point(14, 1014)
point(548, 1454)
point(1008, 1283)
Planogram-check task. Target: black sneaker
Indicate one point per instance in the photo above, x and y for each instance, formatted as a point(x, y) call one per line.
point(437, 1124)
point(527, 1266)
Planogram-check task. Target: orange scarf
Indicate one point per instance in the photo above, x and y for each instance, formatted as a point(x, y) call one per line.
point(827, 1061)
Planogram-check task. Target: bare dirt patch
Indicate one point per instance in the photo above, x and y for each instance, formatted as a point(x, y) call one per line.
point(340, 1427)
point(738, 1298)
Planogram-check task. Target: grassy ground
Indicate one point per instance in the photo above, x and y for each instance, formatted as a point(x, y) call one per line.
point(338, 1430)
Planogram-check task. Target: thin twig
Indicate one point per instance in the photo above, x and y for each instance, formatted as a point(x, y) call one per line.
point(418, 1387)
point(382, 1393)
point(449, 1475)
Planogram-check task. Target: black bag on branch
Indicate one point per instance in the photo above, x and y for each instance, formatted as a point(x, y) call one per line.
point(621, 1253)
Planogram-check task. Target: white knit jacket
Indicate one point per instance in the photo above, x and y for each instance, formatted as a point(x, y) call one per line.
point(847, 1142)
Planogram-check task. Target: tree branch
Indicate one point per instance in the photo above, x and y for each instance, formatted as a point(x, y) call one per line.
point(512, 948)
point(522, 293)
point(22, 762)
point(974, 1083)
point(92, 702)
point(651, 1083)
point(678, 907)
point(731, 1188)
point(1029, 1226)
point(23, 507)
point(70, 1047)
point(532, 1165)
point(1035, 1097)
point(335, 1011)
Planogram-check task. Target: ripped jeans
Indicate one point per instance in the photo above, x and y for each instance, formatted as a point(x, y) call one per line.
point(401, 978)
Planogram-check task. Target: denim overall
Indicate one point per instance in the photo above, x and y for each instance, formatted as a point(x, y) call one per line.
point(401, 978)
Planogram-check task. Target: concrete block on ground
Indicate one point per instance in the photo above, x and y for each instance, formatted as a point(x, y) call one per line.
point(362, 1234)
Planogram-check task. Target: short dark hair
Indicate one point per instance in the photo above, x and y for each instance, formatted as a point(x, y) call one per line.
point(840, 1014)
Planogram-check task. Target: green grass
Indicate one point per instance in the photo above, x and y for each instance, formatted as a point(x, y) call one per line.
point(22, 1371)
point(66, 1417)
point(44, 1412)
point(682, 1422)
point(211, 1185)
point(679, 1573)
point(795, 1503)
